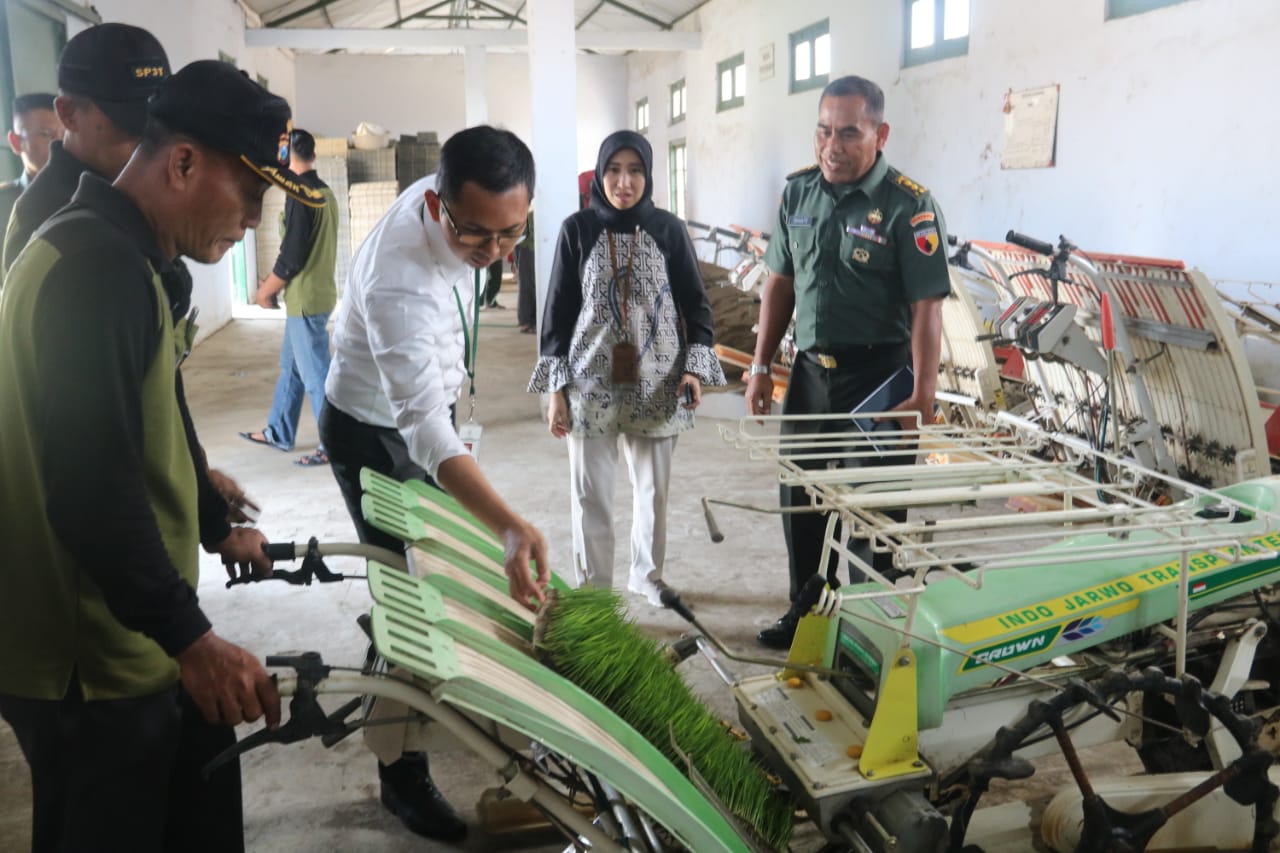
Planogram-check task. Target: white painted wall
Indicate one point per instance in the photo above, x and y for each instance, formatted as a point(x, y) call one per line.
point(1164, 124)
point(1164, 130)
point(198, 29)
point(406, 94)
point(738, 159)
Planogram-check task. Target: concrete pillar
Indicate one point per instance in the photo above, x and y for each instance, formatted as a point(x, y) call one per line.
point(476, 74)
point(554, 92)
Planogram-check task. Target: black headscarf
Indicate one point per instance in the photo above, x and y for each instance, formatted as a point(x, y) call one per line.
point(623, 220)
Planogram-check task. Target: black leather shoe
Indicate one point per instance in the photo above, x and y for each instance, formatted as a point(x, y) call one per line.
point(780, 634)
point(409, 794)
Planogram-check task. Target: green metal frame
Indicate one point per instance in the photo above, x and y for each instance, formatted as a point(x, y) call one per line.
point(739, 98)
point(1026, 616)
point(809, 34)
point(1126, 8)
point(412, 631)
point(940, 49)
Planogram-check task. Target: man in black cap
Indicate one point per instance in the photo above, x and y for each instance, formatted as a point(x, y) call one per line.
point(111, 677)
point(105, 75)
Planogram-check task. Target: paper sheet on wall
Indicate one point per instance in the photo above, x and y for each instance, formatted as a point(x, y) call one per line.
point(1030, 128)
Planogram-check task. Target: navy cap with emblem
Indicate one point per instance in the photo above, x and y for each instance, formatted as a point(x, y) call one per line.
point(117, 67)
point(219, 106)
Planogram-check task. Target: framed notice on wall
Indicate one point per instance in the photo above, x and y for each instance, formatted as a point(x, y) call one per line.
point(766, 61)
point(1030, 128)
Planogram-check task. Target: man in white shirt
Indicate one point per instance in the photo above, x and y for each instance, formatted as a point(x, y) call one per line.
point(401, 338)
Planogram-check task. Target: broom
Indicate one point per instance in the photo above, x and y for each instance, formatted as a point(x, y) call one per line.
point(584, 635)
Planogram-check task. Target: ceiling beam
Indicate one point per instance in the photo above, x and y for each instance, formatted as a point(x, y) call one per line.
point(448, 40)
point(506, 16)
point(427, 11)
point(292, 16)
point(589, 15)
point(690, 12)
point(641, 15)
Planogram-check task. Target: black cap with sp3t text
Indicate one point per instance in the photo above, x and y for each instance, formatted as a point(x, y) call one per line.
point(117, 66)
point(219, 106)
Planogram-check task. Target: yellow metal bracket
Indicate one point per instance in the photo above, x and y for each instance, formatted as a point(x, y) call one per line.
point(809, 644)
point(892, 747)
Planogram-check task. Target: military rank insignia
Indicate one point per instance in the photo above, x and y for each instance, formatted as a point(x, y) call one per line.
point(927, 240)
point(910, 186)
point(875, 217)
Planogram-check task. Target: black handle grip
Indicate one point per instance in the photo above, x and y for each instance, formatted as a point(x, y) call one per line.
point(953, 240)
point(1031, 243)
point(671, 600)
point(280, 551)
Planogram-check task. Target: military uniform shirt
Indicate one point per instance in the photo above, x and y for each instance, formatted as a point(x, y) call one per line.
point(860, 254)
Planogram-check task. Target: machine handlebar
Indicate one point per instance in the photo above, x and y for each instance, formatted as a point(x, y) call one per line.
point(1031, 243)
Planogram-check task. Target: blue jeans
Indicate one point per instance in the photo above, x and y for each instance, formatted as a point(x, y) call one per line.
point(304, 364)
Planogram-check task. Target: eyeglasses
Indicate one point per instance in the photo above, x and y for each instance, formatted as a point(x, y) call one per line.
point(40, 133)
point(477, 239)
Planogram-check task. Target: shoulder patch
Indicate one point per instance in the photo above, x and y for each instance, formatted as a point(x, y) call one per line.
point(806, 170)
point(909, 186)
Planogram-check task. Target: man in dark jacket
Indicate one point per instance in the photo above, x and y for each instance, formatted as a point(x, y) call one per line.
point(116, 686)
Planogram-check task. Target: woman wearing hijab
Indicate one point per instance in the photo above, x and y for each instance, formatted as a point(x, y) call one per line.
point(617, 362)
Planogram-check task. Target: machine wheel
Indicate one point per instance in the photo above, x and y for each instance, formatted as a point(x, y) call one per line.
point(1107, 830)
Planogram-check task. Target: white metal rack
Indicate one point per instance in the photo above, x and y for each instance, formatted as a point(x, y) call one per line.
point(981, 468)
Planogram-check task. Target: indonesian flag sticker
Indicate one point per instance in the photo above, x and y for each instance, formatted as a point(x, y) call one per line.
point(927, 240)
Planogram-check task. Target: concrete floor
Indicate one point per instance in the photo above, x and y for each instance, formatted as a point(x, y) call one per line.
point(303, 797)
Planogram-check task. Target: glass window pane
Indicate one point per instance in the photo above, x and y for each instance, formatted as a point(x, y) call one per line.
point(675, 103)
point(726, 85)
point(740, 81)
point(955, 19)
point(802, 61)
point(682, 104)
point(921, 23)
point(822, 55)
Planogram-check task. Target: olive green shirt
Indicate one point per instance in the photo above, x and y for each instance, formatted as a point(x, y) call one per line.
point(309, 252)
point(860, 254)
point(107, 613)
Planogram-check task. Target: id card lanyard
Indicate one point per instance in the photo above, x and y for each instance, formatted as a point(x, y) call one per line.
point(470, 430)
point(620, 309)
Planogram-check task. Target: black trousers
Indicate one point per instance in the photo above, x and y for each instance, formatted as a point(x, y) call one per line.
point(353, 444)
point(815, 390)
point(124, 774)
point(526, 287)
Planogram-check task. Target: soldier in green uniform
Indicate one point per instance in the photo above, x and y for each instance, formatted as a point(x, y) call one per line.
point(116, 686)
point(858, 255)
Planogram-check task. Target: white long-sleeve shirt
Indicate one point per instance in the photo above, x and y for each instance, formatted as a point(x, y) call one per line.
point(398, 344)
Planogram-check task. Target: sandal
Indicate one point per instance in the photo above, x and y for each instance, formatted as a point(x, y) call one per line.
point(312, 460)
point(258, 438)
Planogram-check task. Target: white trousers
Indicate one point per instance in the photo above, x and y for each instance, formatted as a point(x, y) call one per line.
point(592, 465)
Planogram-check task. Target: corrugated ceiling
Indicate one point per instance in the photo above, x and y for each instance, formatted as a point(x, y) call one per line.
point(605, 15)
